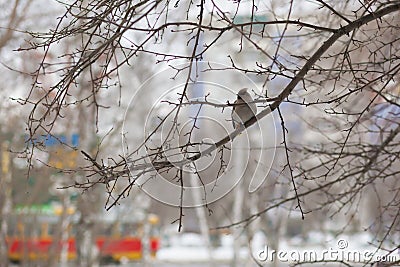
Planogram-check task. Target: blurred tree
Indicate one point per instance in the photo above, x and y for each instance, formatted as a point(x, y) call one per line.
point(331, 69)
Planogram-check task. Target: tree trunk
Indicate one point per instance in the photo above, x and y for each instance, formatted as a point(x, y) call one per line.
point(238, 203)
point(5, 200)
point(85, 239)
point(201, 216)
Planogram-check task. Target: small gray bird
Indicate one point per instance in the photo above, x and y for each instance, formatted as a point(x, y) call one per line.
point(242, 113)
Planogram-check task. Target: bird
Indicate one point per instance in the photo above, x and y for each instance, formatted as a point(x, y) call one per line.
point(243, 108)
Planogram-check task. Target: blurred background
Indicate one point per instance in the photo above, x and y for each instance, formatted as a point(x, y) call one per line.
point(70, 85)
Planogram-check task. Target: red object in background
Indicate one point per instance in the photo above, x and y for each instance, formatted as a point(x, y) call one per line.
point(111, 247)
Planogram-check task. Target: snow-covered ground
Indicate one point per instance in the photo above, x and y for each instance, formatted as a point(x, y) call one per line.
point(191, 248)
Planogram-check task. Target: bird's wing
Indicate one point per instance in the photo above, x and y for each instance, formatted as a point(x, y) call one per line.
point(253, 108)
point(248, 99)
